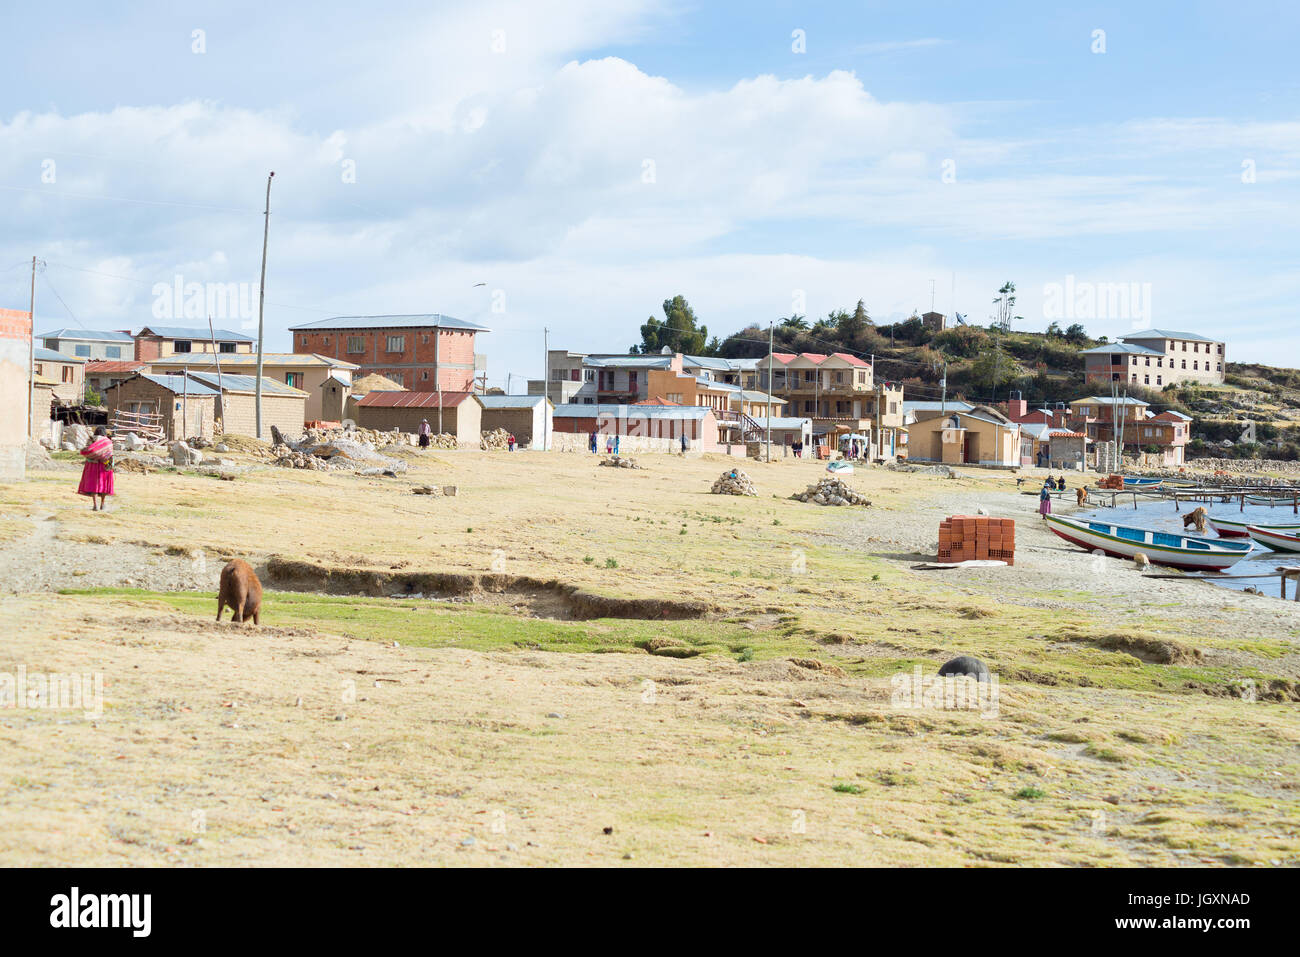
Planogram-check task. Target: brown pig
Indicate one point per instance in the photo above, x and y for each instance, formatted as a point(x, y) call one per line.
point(241, 590)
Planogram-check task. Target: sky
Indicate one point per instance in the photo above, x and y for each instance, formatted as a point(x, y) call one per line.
point(567, 165)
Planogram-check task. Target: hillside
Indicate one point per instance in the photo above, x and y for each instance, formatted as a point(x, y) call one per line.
point(983, 366)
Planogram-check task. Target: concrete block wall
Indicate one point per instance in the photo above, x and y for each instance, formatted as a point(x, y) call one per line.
point(15, 384)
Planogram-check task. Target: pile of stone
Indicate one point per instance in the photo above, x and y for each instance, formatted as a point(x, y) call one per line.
point(619, 462)
point(373, 437)
point(336, 454)
point(447, 490)
point(495, 441)
point(830, 491)
point(183, 454)
point(734, 482)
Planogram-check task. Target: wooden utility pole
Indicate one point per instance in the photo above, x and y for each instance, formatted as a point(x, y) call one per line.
point(261, 306)
point(31, 353)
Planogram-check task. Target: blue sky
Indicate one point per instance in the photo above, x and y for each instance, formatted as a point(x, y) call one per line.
point(587, 160)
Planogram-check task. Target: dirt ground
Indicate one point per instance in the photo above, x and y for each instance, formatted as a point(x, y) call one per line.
point(1136, 721)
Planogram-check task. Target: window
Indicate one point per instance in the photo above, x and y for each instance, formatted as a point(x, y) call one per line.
point(226, 346)
point(1220, 350)
point(324, 341)
point(631, 381)
point(424, 339)
point(1146, 380)
point(293, 379)
point(1196, 347)
point(1184, 347)
point(52, 344)
point(112, 352)
point(588, 375)
point(893, 408)
point(1158, 380)
point(304, 340)
point(395, 344)
point(83, 351)
point(1184, 363)
point(356, 344)
point(424, 376)
point(588, 402)
point(557, 375)
point(182, 345)
point(1148, 360)
point(574, 375)
point(1160, 362)
point(1219, 367)
point(67, 373)
point(1195, 365)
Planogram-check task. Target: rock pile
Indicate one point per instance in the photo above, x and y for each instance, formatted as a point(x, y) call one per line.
point(182, 454)
point(619, 462)
point(734, 482)
point(495, 441)
point(336, 454)
point(830, 491)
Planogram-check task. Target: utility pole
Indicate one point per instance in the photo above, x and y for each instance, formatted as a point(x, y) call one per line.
point(31, 353)
point(943, 402)
point(546, 383)
point(770, 327)
point(261, 304)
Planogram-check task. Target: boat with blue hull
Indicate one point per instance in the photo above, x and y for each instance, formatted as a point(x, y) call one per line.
point(1162, 548)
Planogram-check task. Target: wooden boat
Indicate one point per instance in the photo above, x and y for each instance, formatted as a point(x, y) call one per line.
point(1162, 548)
point(1232, 528)
point(1269, 500)
point(1276, 539)
point(1137, 483)
point(840, 468)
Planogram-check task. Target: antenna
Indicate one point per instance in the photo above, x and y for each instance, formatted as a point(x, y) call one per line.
point(932, 295)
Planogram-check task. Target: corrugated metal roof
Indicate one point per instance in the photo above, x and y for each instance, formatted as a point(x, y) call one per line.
point(511, 401)
point(181, 385)
point(413, 400)
point(181, 332)
point(952, 405)
point(114, 365)
point(623, 362)
point(419, 321)
point(1165, 334)
point(245, 383)
point(1106, 400)
point(89, 335)
point(1122, 347)
point(51, 355)
point(572, 411)
point(783, 422)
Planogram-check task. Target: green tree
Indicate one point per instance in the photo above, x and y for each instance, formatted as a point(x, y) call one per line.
point(1076, 334)
point(679, 330)
point(795, 321)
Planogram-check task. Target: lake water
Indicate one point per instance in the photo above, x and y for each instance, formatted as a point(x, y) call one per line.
point(1160, 514)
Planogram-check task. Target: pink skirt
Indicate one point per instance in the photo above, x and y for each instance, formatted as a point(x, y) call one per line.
point(95, 480)
point(1045, 507)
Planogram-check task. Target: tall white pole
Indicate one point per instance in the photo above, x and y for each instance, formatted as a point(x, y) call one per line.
point(770, 327)
point(261, 303)
point(546, 385)
point(31, 354)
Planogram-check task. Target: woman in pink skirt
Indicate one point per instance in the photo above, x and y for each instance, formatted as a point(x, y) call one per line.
point(97, 473)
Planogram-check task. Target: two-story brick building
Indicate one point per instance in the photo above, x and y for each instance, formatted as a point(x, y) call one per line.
point(839, 393)
point(1156, 358)
point(158, 342)
point(424, 353)
point(68, 372)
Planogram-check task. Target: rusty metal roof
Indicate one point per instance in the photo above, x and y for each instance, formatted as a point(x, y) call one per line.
point(413, 400)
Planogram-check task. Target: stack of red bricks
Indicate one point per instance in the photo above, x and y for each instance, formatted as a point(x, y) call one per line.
point(1112, 482)
point(969, 537)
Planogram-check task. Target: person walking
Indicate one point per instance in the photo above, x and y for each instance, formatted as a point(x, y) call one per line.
point(97, 473)
point(1045, 500)
point(684, 443)
point(425, 431)
point(511, 441)
point(593, 441)
point(616, 445)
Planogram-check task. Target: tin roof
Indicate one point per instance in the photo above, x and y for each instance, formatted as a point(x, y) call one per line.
point(1123, 347)
point(88, 335)
point(233, 360)
point(571, 411)
point(419, 321)
point(42, 354)
point(114, 365)
point(244, 383)
point(179, 384)
point(414, 400)
point(181, 332)
point(512, 401)
point(1164, 334)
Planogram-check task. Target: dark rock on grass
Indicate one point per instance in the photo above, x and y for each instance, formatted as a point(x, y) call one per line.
point(965, 665)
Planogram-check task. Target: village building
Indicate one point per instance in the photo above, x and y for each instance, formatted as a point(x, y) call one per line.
point(640, 428)
point(283, 406)
point(162, 406)
point(454, 413)
point(15, 392)
point(934, 321)
point(159, 342)
point(980, 436)
point(565, 376)
point(1155, 358)
point(305, 371)
point(424, 353)
point(838, 392)
point(90, 343)
point(102, 374)
point(529, 418)
point(68, 372)
point(1162, 438)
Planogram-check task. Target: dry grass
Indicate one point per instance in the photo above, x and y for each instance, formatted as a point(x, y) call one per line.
point(1107, 747)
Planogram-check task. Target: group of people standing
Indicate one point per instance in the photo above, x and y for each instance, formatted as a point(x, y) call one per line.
point(1050, 485)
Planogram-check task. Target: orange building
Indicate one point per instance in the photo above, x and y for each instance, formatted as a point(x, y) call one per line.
point(425, 353)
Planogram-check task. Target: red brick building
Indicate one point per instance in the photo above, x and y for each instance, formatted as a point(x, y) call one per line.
point(424, 353)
